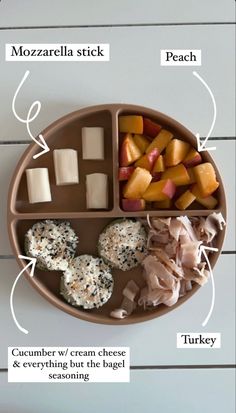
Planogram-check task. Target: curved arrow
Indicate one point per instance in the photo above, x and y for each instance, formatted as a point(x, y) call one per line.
point(203, 251)
point(40, 141)
point(32, 262)
point(201, 146)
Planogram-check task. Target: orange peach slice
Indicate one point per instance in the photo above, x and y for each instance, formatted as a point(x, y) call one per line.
point(131, 124)
point(206, 178)
point(159, 191)
point(193, 158)
point(147, 161)
point(166, 204)
point(142, 142)
point(178, 174)
point(129, 151)
point(208, 202)
point(185, 200)
point(150, 128)
point(160, 141)
point(159, 165)
point(137, 184)
point(133, 205)
point(191, 175)
point(176, 151)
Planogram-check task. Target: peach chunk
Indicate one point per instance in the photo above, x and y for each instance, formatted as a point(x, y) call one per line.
point(193, 158)
point(147, 161)
point(160, 141)
point(159, 191)
point(191, 175)
point(129, 151)
point(133, 205)
point(137, 184)
point(142, 142)
point(166, 204)
point(159, 165)
point(185, 200)
point(178, 174)
point(206, 178)
point(125, 172)
point(208, 202)
point(175, 152)
point(150, 128)
point(131, 124)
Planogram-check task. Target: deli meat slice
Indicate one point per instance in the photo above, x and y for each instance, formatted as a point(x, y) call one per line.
point(119, 313)
point(190, 254)
point(163, 286)
point(174, 262)
point(128, 304)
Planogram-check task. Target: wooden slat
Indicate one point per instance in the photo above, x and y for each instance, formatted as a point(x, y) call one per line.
point(170, 391)
point(82, 12)
point(133, 75)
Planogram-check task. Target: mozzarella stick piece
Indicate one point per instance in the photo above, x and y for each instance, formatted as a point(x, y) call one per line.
point(93, 143)
point(97, 191)
point(38, 185)
point(66, 166)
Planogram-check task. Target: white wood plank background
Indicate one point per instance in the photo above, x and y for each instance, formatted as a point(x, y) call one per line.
point(171, 391)
point(151, 343)
point(90, 12)
point(133, 75)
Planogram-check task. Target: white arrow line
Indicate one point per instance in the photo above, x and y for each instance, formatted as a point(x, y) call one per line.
point(202, 145)
point(32, 262)
point(40, 141)
point(203, 251)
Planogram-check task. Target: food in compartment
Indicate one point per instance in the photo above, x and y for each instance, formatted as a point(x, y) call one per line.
point(137, 183)
point(206, 178)
point(159, 165)
point(141, 141)
point(147, 161)
point(129, 151)
point(166, 158)
point(122, 244)
point(131, 124)
point(159, 191)
point(209, 201)
point(178, 174)
point(97, 191)
point(38, 185)
point(150, 128)
point(193, 158)
point(174, 261)
point(185, 200)
point(160, 141)
point(66, 166)
point(128, 303)
point(133, 205)
point(87, 282)
point(53, 243)
point(93, 143)
point(125, 172)
point(176, 151)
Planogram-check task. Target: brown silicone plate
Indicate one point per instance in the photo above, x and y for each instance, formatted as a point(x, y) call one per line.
point(68, 202)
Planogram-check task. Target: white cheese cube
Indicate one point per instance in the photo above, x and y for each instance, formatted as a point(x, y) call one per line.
point(93, 143)
point(38, 185)
point(97, 191)
point(66, 166)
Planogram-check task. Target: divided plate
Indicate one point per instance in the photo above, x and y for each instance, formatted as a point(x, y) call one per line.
point(69, 202)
